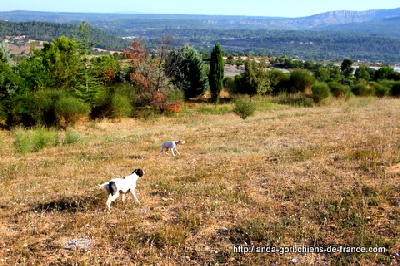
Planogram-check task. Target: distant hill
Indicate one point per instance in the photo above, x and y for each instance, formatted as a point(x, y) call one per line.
point(387, 27)
point(371, 35)
point(344, 17)
point(211, 21)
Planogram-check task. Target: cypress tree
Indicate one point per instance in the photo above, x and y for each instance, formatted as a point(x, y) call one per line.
point(216, 75)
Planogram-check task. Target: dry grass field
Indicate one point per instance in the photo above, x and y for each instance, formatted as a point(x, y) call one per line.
point(319, 177)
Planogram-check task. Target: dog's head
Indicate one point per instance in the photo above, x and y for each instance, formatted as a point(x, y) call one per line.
point(139, 172)
point(181, 141)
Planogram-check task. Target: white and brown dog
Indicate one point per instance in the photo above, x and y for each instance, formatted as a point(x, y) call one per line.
point(122, 186)
point(171, 145)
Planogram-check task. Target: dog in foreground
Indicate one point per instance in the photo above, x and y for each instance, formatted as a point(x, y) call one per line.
point(122, 186)
point(171, 145)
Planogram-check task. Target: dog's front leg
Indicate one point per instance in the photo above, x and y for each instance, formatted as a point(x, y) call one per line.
point(134, 196)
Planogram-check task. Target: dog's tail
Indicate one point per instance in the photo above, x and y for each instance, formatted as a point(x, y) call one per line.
point(102, 185)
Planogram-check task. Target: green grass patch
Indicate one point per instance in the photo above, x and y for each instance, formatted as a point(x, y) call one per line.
point(72, 136)
point(216, 109)
point(33, 140)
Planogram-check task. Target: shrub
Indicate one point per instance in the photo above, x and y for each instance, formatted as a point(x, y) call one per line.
point(34, 140)
point(22, 140)
point(395, 90)
point(33, 108)
point(380, 89)
point(44, 107)
point(42, 138)
point(243, 108)
point(69, 110)
point(320, 91)
point(121, 106)
point(338, 90)
point(363, 90)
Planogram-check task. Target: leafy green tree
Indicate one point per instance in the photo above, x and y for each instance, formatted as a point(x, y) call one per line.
point(346, 68)
point(105, 69)
point(89, 86)
point(61, 59)
point(11, 85)
point(35, 75)
point(187, 71)
point(216, 75)
point(386, 72)
point(4, 54)
point(362, 72)
point(255, 79)
point(334, 72)
point(322, 73)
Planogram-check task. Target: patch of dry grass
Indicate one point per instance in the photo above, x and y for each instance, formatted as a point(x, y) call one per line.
point(283, 177)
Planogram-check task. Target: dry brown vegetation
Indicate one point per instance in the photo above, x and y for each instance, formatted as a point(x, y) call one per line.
point(283, 177)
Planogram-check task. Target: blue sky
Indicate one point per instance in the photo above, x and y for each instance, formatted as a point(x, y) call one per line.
point(276, 8)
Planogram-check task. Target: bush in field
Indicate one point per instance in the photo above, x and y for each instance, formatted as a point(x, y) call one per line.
point(395, 90)
point(34, 108)
point(244, 108)
point(33, 140)
point(44, 107)
point(43, 137)
point(338, 90)
point(120, 107)
point(301, 80)
point(22, 140)
point(70, 110)
point(362, 90)
point(381, 90)
point(320, 91)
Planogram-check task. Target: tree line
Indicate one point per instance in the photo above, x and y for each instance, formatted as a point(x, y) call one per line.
point(317, 45)
point(315, 80)
point(62, 83)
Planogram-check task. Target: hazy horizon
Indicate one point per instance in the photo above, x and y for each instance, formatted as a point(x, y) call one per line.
point(284, 8)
